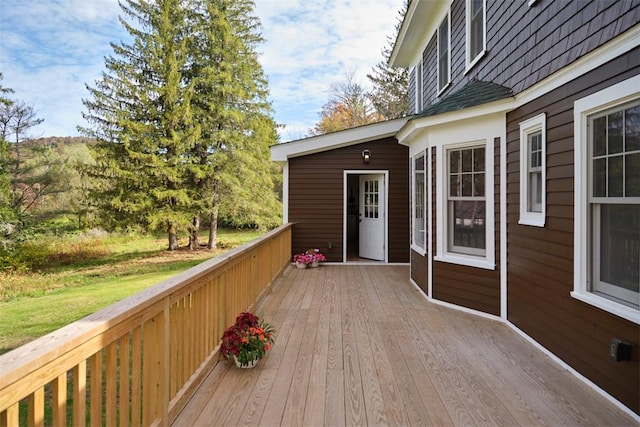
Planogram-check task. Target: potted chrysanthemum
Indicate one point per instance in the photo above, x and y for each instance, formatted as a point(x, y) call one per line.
point(247, 340)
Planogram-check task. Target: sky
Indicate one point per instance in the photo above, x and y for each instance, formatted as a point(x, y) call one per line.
point(49, 50)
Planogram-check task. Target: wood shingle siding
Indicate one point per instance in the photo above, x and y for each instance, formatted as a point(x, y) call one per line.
point(547, 37)
point(541, 262)
point(316, 199)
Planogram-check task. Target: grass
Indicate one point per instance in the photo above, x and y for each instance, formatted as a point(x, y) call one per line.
point(83, 275)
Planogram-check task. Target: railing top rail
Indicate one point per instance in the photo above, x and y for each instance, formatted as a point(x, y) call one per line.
point(33, 355)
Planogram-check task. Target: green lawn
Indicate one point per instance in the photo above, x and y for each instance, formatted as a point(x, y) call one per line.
point(34, 304)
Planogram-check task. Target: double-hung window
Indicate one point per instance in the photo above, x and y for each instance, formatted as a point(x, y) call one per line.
point(444, 53)
point(466, 204)
point(532, 171)
point(419, 202)
point(607, 233)
point(476, 31)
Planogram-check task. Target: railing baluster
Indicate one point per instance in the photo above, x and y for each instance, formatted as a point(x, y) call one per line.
point(59, 400)
point(35, 415)
point(80, 394)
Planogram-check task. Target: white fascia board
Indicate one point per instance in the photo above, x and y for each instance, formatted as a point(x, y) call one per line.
point(419, 25)
point(410, 130)
point(316, 144)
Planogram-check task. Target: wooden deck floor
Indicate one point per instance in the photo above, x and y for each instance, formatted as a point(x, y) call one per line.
point(359, 345)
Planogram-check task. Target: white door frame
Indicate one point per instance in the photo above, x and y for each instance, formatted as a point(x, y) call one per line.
point(384, 172)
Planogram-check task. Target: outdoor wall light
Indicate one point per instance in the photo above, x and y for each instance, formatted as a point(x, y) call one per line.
point(366, 156)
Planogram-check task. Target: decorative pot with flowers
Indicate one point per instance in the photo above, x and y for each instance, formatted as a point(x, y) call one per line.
point(312, 258)
point(247, 340)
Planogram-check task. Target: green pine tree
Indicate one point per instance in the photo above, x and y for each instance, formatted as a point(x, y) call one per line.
point(390, 94)
point(140, 112)
point(232, 171)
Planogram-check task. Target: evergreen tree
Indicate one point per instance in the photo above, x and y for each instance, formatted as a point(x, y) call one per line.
point(141, 116)
point(232, 171)
point(390, 94)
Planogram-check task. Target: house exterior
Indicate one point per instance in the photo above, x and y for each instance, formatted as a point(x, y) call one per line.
point(524, 172)
point(347, 193)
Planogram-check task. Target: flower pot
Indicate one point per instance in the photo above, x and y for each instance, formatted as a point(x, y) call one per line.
point(301, 265)
point(315, 263)
point(251, 363)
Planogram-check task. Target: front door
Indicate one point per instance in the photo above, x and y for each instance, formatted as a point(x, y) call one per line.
point(372, 217)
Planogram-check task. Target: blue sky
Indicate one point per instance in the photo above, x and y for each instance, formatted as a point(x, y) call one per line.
point(49, 49)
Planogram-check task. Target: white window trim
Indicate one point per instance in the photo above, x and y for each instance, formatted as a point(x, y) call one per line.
point(414, 246)
point(487, 261)
point(527, 127)
point(471, 62)
point(620, 93)
point(419, 87)
point(443, 88)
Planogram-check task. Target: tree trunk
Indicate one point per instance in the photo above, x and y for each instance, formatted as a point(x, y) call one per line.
point(173, 237)
point(213, 229)
point(193, 235)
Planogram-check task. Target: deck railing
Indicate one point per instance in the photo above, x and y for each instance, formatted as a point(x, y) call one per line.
point(138, 362)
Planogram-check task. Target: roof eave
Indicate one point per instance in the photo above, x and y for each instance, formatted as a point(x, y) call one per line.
point(419, 23)
point(316, 144)
point(412, 127)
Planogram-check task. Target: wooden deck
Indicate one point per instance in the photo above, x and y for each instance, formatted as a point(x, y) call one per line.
point(359, 345)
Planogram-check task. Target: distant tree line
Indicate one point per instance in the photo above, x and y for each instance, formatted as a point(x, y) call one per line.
point(351, 105)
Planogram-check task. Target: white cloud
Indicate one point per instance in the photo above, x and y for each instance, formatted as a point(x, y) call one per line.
point(50, 49)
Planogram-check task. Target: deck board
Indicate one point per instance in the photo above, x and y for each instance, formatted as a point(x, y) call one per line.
point(360, 345)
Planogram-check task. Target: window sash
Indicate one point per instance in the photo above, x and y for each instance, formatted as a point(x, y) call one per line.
point(443, 54)
point(614, 199)
point(466, 201)
point(419, 199)
point(475, 30)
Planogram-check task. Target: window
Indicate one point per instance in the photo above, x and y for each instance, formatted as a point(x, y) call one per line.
point(614, 206)
point(533, 171)
point(476, 40)
point(607, 225)
point(444, 57)
point(419, 93)
point(466, 203)
point(419, 217)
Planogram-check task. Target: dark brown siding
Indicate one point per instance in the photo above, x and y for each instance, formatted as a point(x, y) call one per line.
point(420, 271)
point(527, 44)
point(475, 288)
point(540, 262)
point(316, 199)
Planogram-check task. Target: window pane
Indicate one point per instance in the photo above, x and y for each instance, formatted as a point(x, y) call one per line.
point(478, 159)
point(478, 184)
point(632, 128)
point(419, 163)
point(535, 192)
point(614, 135)
point(600, 136)
point(619, 249)
point(454, 159)
point(632, 175)
point(467, 160)
point(467, 185)
point(469, 224)
point(454, 186)
point(614, 175)
point(600, 178)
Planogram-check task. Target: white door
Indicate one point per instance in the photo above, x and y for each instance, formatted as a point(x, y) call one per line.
point(372, 217)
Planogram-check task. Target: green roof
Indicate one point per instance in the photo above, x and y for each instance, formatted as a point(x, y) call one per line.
point(475, 92)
